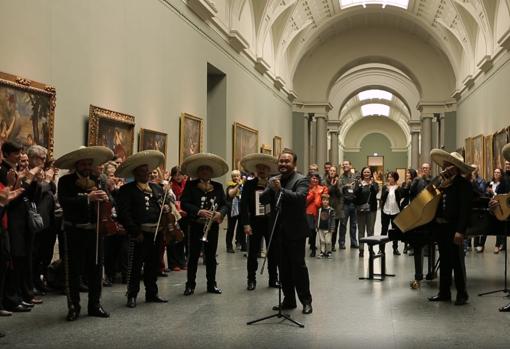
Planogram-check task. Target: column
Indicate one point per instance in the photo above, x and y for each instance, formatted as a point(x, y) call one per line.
point(306, 143)
point(415, 149)
point(312, 139)
point(334, 147)
point(322, 139)
point(441, 131)
point(426, 137)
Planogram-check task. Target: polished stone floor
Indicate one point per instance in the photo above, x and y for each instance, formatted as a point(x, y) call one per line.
point(348, 313)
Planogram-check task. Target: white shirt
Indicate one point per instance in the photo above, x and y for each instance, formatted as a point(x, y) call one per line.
point(391, 205)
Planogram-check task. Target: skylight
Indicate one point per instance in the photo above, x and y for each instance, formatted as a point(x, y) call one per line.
point(398, 3)
point(375, 109)
point(371, 94)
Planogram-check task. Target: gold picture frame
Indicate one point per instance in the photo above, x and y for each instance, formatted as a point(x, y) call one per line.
point(277, 146)
point(27, 112)
point(245, 141)
point(498, 142)
point(113, 130)
point(153, 140)
point(468, 150)
point(488, 157)
point(266, 149)
point(191, 136)
point(478, 145)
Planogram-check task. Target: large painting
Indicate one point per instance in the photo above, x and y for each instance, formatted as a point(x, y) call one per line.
point(246, 141)
point(152, 140)
point(478, 153)
point(277, 146)
point(113, 130)
point(27, 112)
point(488, 157)
point(498, 142)
point(190, 135)
point(468, 150)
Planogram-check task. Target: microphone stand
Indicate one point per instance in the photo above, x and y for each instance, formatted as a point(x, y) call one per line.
point(279, 314)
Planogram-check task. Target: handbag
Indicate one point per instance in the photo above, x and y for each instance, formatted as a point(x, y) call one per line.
point(35, 220)
point(366, 206)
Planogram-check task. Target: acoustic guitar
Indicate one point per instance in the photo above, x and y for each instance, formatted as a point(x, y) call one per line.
point(502, 211)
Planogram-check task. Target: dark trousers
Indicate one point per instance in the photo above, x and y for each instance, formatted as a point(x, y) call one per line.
point(312, 231)
point(335, 233)
point(210, 247)
point(231, 228)
point(80, 255)
point(293, 271)
point(480, 241)
point(175, 254)
point(44, 244)
point(261, 229)
point(144, 253)
point(385, 224)
point(501, 241)
point(116, 255)
point(452, 259)
point(349, 215)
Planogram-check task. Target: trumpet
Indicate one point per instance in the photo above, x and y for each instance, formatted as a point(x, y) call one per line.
point(209, 222)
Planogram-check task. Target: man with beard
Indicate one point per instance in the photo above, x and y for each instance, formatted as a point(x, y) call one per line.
point(255, 217)
point(287, 193)
point(80, 195)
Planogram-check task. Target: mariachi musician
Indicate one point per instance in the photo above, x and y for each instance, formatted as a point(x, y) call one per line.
point(204, 202)
point(255, 217)
point(452, 219)
point(139, 208)
point(504, 188)
point(80, 196)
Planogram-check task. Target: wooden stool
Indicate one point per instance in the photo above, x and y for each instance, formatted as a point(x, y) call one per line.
point(372, 241)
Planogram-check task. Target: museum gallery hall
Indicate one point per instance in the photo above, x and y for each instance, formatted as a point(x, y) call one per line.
point(254, 173)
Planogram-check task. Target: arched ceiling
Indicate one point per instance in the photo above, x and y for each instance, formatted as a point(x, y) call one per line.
point(277, 34)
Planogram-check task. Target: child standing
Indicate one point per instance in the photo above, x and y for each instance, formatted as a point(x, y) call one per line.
point(325, 226)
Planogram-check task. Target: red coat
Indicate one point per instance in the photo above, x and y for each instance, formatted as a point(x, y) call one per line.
point(313, 199)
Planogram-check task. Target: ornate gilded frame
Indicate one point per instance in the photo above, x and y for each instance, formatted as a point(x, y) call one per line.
point(277, 146)
point(34, 87)
point(145, 134)
point(97, 114)
point(189, 119)
point(238, 154)
point(266, 149)
point(499, 139)
point(478, 152)
point(488, 157)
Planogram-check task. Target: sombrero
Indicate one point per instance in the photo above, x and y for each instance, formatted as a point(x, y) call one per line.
point(506, 152)
point(98, 154)
point(151, 158)
point(250, 162)
point(193, 162)
point(440, 156)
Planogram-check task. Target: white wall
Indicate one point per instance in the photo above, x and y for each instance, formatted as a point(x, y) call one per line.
point(135, 57)
point(486, 109)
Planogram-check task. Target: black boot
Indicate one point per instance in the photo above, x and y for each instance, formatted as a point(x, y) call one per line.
point(97, 311)
point(73, 312)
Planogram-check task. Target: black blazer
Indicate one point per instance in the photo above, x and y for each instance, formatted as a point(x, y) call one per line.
point(247, 205)
point(292, 220)
point(458, 201)
point(192, 195)
point(74, 200)
point(399, 194)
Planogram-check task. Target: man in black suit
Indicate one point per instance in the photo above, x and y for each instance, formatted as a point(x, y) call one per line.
point(204, 201)
point(504, 188)
point(138, 208)
point(80, 195)
point(255, 217)
point(288, 195)
point(452, 219)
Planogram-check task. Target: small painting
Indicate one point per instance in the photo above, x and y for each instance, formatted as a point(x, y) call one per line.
point(190, 135)
point(488, 157)
point(266, 149)
point(246, 141)
point(478, 153)
point(152, 140)
point(113, 130)
point(277, 146)
point(499, 140)
point(468, 150)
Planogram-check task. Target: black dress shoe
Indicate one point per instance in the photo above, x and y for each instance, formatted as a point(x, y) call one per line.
point(163, 274)
point(20, 309)
point(312, 254)
point(4, 312)
point(73, 313)
point(342, 247)
point(155, 299)
point(189, 291)
point(98, 311)
point(274, 284)
point(440, 298)
point(333, 249)
point(461, 299)
point(286, 306)
point(131, 302)
point(26, 304)
point(505, 309)
point(107, 282)
point(354, 246)
point(251, 285)
point(307, 309)
point(214, 290)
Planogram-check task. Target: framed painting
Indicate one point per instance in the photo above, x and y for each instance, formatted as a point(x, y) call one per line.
point(376, 164)
point(498, 142)
point(246, 141)
point(191, 138)
point(277, 146)
point(152, 140)
point(27, 112)
point(488, 157)
point(113, 130)
point(468, 150)
point(266, 149)
point(478, 153)
point(401, 175)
